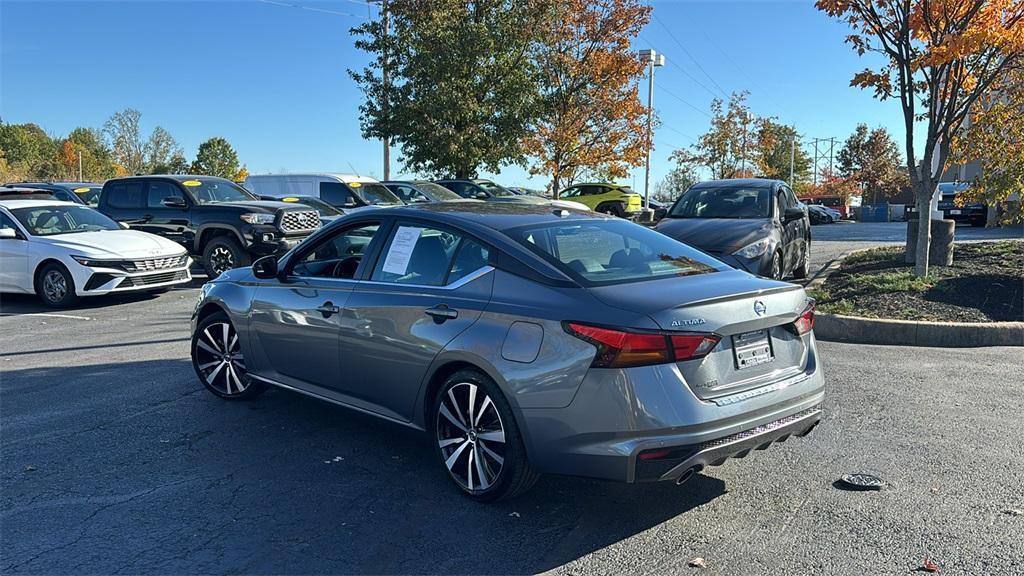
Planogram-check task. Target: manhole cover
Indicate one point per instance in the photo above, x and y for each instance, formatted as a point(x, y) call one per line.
point(861, 481)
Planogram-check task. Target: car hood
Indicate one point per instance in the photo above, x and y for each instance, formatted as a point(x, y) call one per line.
point(715, 234)
point(270, 206)
point(114, 244)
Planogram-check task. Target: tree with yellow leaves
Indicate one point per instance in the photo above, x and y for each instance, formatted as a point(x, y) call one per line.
point(941, 57)
point(592, 119)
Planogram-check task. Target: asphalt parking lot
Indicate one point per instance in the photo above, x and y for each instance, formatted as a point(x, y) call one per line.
point(114, 459)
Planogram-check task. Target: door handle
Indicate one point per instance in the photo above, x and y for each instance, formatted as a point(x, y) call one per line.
point(442, 312)
point(327, 309)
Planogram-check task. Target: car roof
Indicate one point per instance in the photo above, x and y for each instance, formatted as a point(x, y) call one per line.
point(341, 177)
point(499, 216)
point(35, 203)
point(175, 177)
point(34, 183)
point(764, 182)
point(612, 184)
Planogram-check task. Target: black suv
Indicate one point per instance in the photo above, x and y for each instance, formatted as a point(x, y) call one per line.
point(213, 218)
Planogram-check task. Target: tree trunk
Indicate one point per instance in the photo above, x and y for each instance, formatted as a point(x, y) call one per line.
point(555, 184)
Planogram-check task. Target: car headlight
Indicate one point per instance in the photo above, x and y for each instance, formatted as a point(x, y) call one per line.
point(93, 263)
point(754, 249)
point(258, 218)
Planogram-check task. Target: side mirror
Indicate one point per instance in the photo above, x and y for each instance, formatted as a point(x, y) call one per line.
point(174, 202)
point(265, 268)
point(8, 233)
point(792, 214)
point(124, 225)
point(481, 195)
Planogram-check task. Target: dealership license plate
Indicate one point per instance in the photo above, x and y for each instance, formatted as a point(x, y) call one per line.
point(954, 212)
point(752, 349)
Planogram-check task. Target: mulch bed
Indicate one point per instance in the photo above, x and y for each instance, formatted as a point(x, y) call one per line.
point(984, 284)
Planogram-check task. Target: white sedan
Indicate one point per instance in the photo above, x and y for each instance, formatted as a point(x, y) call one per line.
point(61, 251)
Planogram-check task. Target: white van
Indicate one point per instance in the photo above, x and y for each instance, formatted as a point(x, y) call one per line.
point(343, 191)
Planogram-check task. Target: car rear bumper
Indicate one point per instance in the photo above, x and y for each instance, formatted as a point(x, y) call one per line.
point(618, 415)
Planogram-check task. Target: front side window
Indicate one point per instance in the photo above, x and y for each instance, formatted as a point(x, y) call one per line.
point(724, 202)
point(464, 189)
point(570, 192)
point(338, 256)
point(336, 194)
point(6, 222)
point(160, 190)
point(375, 194)
point(417, 255)
point(613, 252)
point(408, 194)
point(62, 219)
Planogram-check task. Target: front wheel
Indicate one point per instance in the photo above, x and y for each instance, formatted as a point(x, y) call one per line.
point(478, 440)
point(805, 264)
point(218, 360)
point(222, 254)
point(55, 286)
point(776, 270)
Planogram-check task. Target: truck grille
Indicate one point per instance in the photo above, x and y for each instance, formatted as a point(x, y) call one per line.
point(300, 221)
point(153, 279)
point(155, 263)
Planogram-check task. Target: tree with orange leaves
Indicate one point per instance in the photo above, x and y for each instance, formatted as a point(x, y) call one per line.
point(941, 57)
point(592, 120)
point(69, 158)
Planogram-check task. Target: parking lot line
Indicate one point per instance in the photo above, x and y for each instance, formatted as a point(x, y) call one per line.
point(46, 315)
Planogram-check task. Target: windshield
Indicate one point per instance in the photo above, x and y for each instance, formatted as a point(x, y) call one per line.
point(438, 192)
point(57, 219)
point(723, 202)
point(213, 190)
point(613, 252)
point(494, 189)
point(374, 193)
point(89, 194)
point(322, 207)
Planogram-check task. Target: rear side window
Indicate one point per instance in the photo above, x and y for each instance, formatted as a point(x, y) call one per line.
point(335, 193)
point(424, 256)
point(126, 195)
point(596, 253)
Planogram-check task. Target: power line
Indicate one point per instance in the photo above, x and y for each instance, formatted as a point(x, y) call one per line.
point(680, 98)
point(683, 70)
point(680, 132)
point(687, 52)
point(313, 9)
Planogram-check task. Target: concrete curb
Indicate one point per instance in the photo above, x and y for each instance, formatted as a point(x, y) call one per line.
point(858, 330)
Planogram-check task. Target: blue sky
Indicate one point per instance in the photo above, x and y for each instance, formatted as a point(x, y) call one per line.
point(271, 78)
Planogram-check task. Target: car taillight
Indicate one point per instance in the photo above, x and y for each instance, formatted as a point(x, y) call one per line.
point(623, 348)
point(805, 322)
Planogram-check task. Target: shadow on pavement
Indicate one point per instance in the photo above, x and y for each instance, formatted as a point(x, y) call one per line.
point(136, 468)
point(18, 304)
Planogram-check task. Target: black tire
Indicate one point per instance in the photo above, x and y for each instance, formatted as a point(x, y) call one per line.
point(805, 263)
point(612, 209)
point(494, 419)
point(223, 253)
point(776, 270)
point(55, 286)
point(218, 361)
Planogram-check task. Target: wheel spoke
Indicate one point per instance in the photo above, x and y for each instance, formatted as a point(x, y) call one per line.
point(484, 481)
point(469, 469)
point(449, 442)
point(492, 436)
point(208, 364)
point(213, 375)
point(483, 408)
point(494, 455)
point(234, 377)
point(447, 414)
point(455, 455)
point(207, 347)
point(455, 404)
point(234, 340)
point(472, 405)
point(226, 331)
point(213, 341)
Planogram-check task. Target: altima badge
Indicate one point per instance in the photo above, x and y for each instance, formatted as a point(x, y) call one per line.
point(688, 322)
point(759, 308)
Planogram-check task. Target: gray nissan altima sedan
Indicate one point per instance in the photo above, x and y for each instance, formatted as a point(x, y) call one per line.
point(523, 340)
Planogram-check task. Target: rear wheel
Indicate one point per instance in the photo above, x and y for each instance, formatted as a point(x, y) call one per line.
point(222, 254)
point(218, 360)
point(612, 209)
point(477, 438)
point(55, 286)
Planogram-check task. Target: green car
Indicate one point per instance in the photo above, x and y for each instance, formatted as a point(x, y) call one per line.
point(607, 198)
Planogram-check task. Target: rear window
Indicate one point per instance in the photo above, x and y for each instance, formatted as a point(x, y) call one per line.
point(597, 253)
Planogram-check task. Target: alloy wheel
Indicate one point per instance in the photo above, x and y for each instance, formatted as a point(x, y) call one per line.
point(776, 267)
point(222, 260)
point(55, 286)
point(218, 356)
point(471, 436)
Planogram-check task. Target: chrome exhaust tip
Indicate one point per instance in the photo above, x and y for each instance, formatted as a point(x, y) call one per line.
point(687, 475)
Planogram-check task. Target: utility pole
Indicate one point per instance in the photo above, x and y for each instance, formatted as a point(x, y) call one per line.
point(79, 165)
point(385, 76)
point(792, 156)
point(815, 161)
point(819, 154)
point(652, 59)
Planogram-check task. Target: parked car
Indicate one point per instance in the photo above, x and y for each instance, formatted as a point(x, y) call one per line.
point(838, 204)
point(973, 213)
point(62, 251)
point(753, 224)
point(342, 191)
point(77, 192)
point(660, 209)
point(529, 192)
point(818, 214)
point(491, 192)
point(513, 335)
point(212, 218)
point(13, 192)
point(416, 191)
point(606, 198)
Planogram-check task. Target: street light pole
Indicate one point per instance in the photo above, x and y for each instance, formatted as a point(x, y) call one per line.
point(385, 77)
point(653, 59)
point(792, 157)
